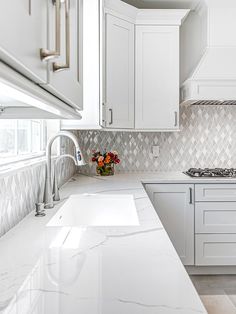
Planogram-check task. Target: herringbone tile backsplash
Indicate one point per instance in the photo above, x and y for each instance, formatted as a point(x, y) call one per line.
point(207, 138)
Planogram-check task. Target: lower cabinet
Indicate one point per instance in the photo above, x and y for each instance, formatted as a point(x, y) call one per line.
point(215, 249)
point(174, 204)
point(215, 217)
point(215, 226)
point(200, 220)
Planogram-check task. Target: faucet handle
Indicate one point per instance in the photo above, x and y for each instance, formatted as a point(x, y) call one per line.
point(39, 210)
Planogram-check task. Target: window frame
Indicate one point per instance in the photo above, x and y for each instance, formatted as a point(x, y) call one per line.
point(21, 157)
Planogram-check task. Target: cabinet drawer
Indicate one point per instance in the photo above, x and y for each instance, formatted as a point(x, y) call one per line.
point(215, 217)
point(215, 192)
point(215, 249)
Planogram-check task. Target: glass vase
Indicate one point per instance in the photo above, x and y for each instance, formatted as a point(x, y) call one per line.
point(106, 170)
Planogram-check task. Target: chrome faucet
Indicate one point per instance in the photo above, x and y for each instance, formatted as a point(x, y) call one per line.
point(48, 197)
point(55, 192)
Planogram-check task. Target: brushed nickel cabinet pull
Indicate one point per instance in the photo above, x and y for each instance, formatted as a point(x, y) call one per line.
point(46, 54)
point(190, 196)
point(57, 66)
point(176, 118)
point(111, 119)
point(30, 7)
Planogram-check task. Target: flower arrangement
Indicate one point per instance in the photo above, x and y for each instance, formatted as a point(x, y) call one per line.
point(105, 162)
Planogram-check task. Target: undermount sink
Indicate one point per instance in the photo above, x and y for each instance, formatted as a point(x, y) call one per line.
point(96, 210)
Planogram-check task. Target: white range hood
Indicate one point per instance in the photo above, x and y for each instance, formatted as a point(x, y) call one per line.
point(214, 76)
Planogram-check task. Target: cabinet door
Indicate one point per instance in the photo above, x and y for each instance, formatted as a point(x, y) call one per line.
point(157, 77)
point(22, 33)
point(175, 207)
point(67, 83)
point(119, 73)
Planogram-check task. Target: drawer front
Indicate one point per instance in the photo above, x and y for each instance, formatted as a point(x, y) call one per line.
point(215, 249)
point(215, 192)
point(212, 217)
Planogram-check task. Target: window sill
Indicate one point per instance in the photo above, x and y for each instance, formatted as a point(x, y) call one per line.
point(14, 167)
point(21, 158)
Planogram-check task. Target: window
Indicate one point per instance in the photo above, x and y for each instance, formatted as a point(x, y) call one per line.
point(21, 139)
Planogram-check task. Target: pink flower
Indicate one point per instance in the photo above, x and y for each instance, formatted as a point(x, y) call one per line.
point(101, 158)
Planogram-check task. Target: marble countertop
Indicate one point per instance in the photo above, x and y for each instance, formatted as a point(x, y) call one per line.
point(112, 270)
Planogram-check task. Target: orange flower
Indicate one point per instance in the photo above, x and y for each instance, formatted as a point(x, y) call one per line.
point(100, 163)
point(107, 159)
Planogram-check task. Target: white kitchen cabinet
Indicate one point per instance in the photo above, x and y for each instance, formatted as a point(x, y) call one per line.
point(174, 204)
point(157, 77)
point(23, 32)
point(215, 249)
point(119, 73)
point(65, 74)
point(215, 224)
point(134, 95)
point(215, 192)
point(215, 217)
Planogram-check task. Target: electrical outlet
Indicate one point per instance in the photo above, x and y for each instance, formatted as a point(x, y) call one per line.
point(156, 151)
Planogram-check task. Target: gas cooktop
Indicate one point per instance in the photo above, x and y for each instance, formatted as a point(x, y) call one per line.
point(215, 172)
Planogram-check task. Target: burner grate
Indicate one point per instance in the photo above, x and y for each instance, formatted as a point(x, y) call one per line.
point(215, 172)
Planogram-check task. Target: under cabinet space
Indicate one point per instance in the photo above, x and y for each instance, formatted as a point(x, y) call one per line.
point(215, 249)
point(215, 192)
point(215, 217)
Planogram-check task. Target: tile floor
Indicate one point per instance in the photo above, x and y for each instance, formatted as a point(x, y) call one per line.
point(218, 293)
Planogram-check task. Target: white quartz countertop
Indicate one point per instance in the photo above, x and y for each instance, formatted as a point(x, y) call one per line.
point(112, 270)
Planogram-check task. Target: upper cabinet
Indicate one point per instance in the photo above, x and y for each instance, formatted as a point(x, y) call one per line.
point(157, 77)
point(144, 96)
point(139, 69)
point(117, 64)
point(41, 58)
point(65, 72)
point(23, 30)
point(119, 73)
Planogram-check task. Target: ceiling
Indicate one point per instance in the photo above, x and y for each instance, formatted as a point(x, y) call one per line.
point(164, 4)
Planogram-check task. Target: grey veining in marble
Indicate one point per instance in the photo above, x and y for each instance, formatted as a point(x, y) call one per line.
point(206, 139)
point(122, 269)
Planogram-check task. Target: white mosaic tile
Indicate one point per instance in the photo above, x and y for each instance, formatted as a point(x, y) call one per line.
point(20, 192)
